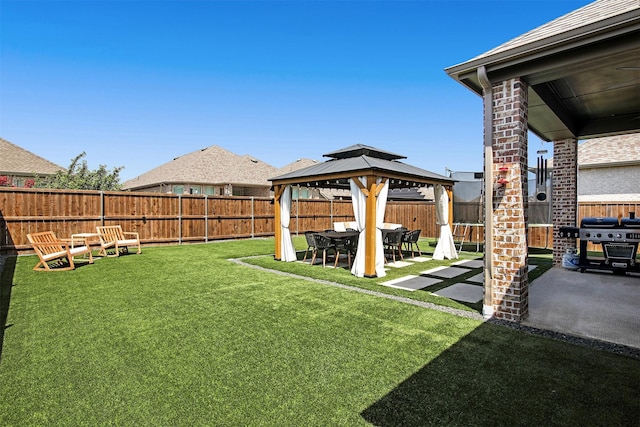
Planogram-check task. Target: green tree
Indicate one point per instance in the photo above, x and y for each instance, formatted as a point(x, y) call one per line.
point(79, 177)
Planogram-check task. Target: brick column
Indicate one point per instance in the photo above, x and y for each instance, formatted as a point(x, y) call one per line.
point(564, 194)
point(510, 288)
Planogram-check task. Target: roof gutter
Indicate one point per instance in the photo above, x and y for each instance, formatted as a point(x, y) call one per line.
point(487, 305)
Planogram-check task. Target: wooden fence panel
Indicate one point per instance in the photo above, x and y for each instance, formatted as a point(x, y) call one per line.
point(169, 218)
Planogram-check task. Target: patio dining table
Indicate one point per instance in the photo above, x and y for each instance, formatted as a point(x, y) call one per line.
point(338, 235)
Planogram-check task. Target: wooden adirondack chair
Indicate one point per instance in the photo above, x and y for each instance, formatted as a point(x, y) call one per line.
point(112, 237)
point(58, 252)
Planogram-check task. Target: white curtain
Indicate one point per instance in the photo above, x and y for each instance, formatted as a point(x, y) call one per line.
point(359, 202)
point(381, 206)
point(288, 251)
point(445, 248)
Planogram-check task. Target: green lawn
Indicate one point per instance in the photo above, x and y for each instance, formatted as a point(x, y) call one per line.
point(181, 336)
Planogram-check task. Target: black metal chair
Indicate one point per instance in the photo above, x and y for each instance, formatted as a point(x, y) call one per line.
point(324, 244)
point(392, 242)
point(311, 244)
point(409, 239)
point(347, 246)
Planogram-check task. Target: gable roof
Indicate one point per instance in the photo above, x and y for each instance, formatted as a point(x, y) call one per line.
point(297, 165)
point(211, 165)
point(15, 160)
point(621, 149)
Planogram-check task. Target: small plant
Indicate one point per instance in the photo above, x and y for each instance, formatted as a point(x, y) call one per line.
point(4, 180)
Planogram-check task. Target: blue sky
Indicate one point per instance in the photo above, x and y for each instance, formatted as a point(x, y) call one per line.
point(137, 83)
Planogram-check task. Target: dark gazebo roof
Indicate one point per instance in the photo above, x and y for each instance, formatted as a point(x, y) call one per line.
point(361, 160)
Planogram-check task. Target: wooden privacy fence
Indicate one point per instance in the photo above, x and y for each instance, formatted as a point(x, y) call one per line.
point(176, 219)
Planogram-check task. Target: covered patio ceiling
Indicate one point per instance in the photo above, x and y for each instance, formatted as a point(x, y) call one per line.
point(361, 160)
point(583, 70)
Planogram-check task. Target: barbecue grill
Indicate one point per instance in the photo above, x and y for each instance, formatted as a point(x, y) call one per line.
point(619, 238)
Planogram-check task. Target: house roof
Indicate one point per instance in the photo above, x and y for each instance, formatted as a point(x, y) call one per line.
point(211, 165)
point(15, 160)
point(334, 173)
point(620, 149)
point(297, 165)
point(581, 70)
point(564, 26)
point(606, 152)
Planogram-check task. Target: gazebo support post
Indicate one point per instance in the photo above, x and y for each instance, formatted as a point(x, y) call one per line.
point(370, 226)
point(278, 190)
point(449, 191)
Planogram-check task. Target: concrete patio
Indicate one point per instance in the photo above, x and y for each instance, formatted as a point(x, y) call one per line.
point(595, 304)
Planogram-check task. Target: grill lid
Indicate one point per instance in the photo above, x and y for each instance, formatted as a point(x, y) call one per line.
point(630, 222)
point(607, 222)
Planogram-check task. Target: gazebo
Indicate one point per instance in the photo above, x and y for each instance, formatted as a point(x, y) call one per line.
point(368, 173)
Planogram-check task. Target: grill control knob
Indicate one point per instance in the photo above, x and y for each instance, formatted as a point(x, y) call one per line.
point(598, 235)
point(610, 235)
point(619, 236)
point(588, 234)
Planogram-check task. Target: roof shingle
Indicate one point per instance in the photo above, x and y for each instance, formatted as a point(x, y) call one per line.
point(610, 150)
point(15, 160)
point(597, 11)
point(210, 165)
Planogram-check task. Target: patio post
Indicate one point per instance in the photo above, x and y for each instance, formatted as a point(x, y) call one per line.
point(370, 233)
point(277, 193)
point(449, 191)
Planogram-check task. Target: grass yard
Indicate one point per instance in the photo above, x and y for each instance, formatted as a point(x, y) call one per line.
point(179, 335)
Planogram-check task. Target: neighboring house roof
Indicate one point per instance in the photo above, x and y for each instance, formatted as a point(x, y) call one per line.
point(609, 151)
point(15, 160)
point(211, 165)
point(413, 193)
point(297, 165)
point(605, 152)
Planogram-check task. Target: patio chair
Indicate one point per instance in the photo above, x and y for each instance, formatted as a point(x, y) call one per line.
point(311, 244)
point(58, 252)
point(409, 239)
point(113, 238)
point(392, 242)
point(323, 244)
point(347, 246)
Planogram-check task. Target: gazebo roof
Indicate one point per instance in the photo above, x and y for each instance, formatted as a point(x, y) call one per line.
point(364, 150)
point(361, 160)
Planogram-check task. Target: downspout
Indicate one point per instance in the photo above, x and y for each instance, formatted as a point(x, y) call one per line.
point(487, 307)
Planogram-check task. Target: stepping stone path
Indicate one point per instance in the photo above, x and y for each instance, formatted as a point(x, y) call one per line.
point(465, 292)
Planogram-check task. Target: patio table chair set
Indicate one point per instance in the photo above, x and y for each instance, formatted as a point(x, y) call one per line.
point(57, 254)
point(332, 243)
